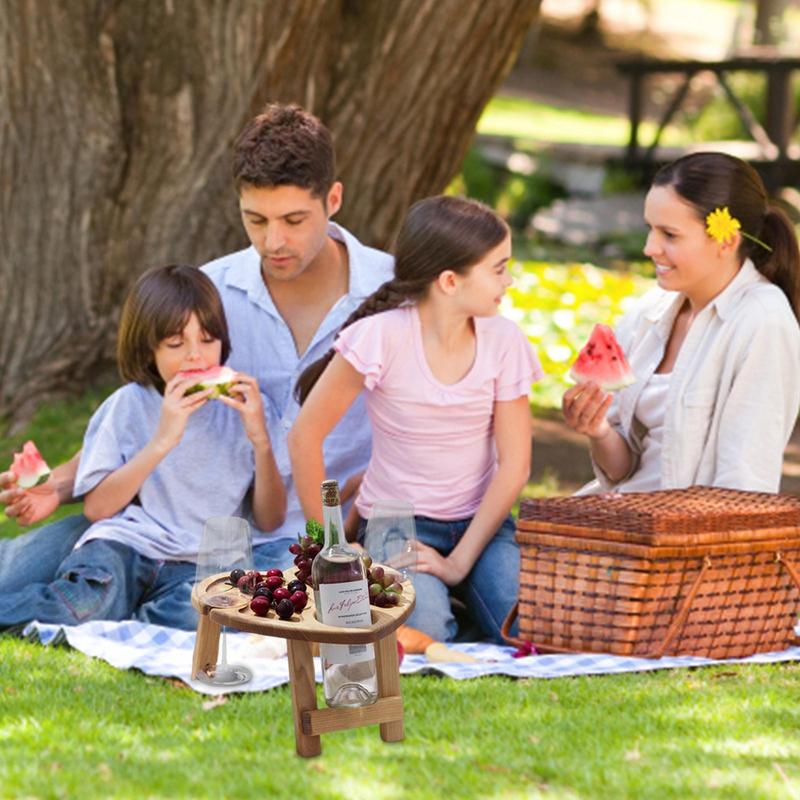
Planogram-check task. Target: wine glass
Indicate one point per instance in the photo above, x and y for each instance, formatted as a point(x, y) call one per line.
point(391, 536)
point(226, 545)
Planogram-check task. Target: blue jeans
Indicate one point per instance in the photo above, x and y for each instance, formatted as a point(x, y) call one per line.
point(34, 557)
point(33, 567)
point(488, 591)
point(103, 580)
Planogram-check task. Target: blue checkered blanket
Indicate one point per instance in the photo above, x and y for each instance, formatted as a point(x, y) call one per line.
point(167, 652)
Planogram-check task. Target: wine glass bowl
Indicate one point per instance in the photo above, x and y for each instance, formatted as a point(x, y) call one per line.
point(390, 537)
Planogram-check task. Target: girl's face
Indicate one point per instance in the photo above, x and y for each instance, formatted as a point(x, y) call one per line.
point(686, 258)
point(482, 288)
point(192, 348)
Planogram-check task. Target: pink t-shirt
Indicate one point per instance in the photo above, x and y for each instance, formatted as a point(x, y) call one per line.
point(432, 443)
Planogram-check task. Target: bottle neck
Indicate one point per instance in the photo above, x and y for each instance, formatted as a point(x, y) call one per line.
point(333, 525)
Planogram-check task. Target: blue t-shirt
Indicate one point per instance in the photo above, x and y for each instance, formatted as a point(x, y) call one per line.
point(206, 475)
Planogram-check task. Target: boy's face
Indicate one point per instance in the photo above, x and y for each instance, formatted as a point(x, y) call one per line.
point(287, 225)
point(192, 348)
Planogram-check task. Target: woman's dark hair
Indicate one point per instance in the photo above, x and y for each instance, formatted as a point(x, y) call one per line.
point(715, 180)
point(158, 306)
point(439, 233)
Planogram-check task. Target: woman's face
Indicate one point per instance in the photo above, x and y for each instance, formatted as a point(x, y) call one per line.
point(686, 258)
point(192, 348)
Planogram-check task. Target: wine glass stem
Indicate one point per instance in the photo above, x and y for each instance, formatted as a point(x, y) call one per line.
point(224, 660)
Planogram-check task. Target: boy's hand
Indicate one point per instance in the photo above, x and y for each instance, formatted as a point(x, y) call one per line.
point(27, 506)
point(245, 396)
point(176, 408)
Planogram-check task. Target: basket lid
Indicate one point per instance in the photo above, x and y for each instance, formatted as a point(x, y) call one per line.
point(665, 517)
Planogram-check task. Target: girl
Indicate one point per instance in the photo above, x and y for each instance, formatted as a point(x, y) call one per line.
point(715, 348)
point(156, 463)
point(447, 383)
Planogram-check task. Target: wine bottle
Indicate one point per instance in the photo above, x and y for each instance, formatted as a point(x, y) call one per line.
point(349, 672)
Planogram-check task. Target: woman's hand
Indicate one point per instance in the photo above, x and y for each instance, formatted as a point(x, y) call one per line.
point(245, 396)
point(176, 408)
point(584, 407)
point(432, 562)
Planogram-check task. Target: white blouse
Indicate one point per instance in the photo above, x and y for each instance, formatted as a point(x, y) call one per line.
point(650, 412)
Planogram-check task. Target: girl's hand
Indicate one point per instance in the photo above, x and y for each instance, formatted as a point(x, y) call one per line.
point(432, 562)
point(584, 407)
point(245, 397)
point(176, 408)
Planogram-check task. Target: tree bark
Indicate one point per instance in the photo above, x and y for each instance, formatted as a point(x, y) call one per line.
point(115, 149)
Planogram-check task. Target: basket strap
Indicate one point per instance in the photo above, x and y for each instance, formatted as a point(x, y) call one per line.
point(790, 568)
point(505, 628)
point(680, 618)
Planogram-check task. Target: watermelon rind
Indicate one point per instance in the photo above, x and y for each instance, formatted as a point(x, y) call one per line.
point(221, 384)
point(29, 481)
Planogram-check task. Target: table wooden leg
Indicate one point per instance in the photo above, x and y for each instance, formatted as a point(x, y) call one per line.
point(304, 694)
point(389, 682)
point(206, 646)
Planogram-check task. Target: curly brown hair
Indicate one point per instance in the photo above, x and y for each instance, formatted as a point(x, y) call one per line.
point(285, 145)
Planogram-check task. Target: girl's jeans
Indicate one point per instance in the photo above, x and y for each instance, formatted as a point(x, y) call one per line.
point(488, 591)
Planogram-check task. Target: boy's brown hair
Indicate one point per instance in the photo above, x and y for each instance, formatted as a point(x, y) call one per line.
point(158, 306)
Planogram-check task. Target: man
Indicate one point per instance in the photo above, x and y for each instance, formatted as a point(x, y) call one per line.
point(285, 297)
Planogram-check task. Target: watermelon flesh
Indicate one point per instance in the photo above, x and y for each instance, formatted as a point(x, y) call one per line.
point(29, 468)
point(220, 379)
point(602, 362)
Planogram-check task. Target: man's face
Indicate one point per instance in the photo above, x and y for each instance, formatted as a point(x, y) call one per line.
point(287, 225)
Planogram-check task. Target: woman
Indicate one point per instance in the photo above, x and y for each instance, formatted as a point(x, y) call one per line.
point(715, 348)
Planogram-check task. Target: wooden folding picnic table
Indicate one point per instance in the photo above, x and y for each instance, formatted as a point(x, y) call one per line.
point(300, 633)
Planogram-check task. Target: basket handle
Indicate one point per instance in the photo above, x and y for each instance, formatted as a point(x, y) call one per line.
point(505, 628)
point(680, 618)
point(505, 632)
point(790, 568)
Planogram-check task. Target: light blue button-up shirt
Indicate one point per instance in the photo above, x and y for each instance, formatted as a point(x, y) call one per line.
point(263, 346)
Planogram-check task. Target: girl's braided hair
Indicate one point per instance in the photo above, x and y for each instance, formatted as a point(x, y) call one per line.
point(439, 233)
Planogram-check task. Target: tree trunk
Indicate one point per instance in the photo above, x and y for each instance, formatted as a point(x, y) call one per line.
point(768, 27)
point(115, 152)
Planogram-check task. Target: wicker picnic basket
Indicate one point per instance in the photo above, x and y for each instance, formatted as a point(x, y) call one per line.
point(699, 571)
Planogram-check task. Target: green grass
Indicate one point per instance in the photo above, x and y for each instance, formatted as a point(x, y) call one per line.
point(71, 726)
point(523, 119)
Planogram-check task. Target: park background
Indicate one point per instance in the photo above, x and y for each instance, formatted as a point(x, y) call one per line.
point(115, 158)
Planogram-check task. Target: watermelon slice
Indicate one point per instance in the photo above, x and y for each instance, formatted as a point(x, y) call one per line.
point(217, 378)
point(603, 362)
point(29, 468)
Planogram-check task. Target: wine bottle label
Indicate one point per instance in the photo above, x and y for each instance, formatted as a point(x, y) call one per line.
point(345, 605)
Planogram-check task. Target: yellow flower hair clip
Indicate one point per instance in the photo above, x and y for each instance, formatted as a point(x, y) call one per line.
point(722, 227)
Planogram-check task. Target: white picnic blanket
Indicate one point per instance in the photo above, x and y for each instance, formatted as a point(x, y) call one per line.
point(167, 652)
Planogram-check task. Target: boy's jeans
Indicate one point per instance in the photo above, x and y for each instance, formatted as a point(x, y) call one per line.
point(42, 578)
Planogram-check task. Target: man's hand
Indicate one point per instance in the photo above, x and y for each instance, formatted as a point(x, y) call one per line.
point(27, 506)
